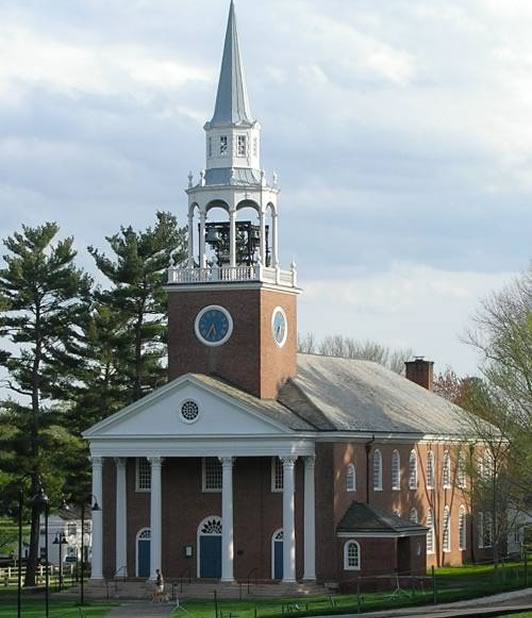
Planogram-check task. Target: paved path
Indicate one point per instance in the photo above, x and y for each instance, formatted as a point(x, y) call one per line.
point(141, 609)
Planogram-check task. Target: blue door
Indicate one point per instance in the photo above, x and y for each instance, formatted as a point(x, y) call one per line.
point(144, 557)
point(211, 556)
point(278, 560)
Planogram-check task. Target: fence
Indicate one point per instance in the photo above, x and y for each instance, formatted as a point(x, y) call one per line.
point(9, 575)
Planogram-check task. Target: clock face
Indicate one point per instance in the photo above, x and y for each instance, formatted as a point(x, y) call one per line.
point(213, 325)
point(279, 326)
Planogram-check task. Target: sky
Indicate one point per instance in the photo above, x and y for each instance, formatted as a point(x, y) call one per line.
point(401, 131)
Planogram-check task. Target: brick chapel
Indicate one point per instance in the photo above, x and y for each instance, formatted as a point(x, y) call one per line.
point(254, 459)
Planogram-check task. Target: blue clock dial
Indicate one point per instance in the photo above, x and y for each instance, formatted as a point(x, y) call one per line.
point(279, 326)
point(214, 325)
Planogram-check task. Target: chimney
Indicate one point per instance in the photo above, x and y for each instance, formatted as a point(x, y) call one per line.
point(420, 371)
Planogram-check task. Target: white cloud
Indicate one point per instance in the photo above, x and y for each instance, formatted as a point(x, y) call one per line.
point(409, 305)
point(31, 59)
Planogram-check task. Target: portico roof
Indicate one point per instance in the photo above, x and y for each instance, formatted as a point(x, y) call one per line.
point(363, 518)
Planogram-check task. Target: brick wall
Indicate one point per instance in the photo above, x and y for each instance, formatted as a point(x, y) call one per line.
point(250, 359)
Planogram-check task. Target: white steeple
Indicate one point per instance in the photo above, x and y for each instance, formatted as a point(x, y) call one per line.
point(232, 104)
point(233, 181)
point(233, 137)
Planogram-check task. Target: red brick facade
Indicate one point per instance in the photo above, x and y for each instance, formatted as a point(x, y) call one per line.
point(258, 513)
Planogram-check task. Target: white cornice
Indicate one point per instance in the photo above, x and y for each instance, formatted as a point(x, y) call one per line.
point(196, 447)
point(253, 285)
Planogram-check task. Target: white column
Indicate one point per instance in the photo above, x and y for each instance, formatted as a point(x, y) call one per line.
point(262, 224)
point(202, 258)
point(97, 519)
point(155, 515)
point(121, 518)
point(232, 237)
point(227, 519)
point(289, 531)
point(191, 239)
point(309, 572)
point(275, 241)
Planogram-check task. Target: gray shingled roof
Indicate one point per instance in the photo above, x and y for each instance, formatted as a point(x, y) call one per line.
point(232, 105)
point(352, 395)
point(365, 518)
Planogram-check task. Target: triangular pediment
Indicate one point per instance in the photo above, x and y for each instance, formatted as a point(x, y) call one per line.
point(160, 414)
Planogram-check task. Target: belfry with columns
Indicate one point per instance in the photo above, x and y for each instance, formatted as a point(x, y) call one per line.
point(254, 460)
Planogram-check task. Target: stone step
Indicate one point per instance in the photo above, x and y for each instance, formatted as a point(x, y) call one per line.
point(140, 589)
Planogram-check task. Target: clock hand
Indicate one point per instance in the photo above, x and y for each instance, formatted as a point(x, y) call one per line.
point(211, 332)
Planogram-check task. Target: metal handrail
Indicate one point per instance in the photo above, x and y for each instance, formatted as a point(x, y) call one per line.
point(253, 570)
point(116, 576)
point(182, 577)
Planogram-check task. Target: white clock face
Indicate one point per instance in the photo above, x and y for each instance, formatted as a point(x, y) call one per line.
point(279, 326)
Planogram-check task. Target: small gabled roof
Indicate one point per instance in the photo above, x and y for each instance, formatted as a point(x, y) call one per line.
point(361, 396)
point(363, 518)
point(232, 104)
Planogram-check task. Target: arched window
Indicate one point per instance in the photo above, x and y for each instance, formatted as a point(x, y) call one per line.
point(351, 556)
point(462, 535)
point(412, 470)
point(430, 534)
point(350, 478)
point(377, 470)
point(446, 530)
point(413, 516)
point(446, 473)
point(396, 470)
point(430, 470)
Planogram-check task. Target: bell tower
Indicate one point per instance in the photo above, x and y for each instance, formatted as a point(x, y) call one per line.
point(232, 309)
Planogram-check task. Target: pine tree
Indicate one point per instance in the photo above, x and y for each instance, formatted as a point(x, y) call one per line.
point(136, 302)
point(43, 300)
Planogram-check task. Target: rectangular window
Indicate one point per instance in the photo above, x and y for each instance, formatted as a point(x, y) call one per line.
point(241, 146)
point(143, 474)
point(223, 144)
point(488, 530)
point(277, 474)
point(209, 147)
point(255, 146)
point(461, 473)
point(72, 529)
point(480, 530)
point(430, 534)
point(446, 530)
point(212, 475)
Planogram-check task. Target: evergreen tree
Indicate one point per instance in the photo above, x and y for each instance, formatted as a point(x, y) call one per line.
point(131, 322)
point(43, 300)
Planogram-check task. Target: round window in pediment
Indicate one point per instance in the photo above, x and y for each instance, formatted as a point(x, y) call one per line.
point(189, 411)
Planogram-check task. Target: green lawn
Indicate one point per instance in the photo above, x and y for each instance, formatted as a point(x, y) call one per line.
point(33, 608)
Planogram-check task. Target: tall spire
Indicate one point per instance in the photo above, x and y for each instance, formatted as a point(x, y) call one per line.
point(232, 105)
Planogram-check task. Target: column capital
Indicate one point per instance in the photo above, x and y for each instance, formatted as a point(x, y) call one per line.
point(96, 461)
point(120, 461)
point(227, 461)
point(310, 460)
point(156, 461)
point(288, 460)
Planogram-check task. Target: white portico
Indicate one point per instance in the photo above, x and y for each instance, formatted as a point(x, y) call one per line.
point(197, 417)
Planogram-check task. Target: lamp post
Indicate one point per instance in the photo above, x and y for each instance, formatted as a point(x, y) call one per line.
point(19, 577)
point(60, 539)
point(42, 503)
point(94, 508)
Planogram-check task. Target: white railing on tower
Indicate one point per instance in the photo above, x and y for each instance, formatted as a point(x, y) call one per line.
point(213, 274)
